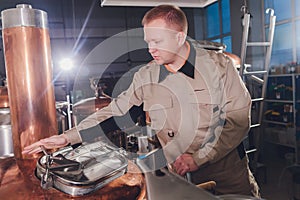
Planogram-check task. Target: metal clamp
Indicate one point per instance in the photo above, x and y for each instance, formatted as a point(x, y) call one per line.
point(46, 178)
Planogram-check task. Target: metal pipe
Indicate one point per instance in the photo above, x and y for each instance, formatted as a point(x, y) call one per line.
point(28, 64)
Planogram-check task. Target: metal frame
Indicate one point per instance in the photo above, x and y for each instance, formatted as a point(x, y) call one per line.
point(147, 3)
point(253, 74)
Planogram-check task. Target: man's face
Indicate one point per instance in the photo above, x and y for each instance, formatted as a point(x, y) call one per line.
point(163, 44)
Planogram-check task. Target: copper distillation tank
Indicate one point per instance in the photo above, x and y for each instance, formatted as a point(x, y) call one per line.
point(28, 65)
point(33, 111)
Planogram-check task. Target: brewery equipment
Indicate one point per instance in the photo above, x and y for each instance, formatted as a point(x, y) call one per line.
point(33, 117)
point(6, 144)
point(83, 170)
point(28, 65)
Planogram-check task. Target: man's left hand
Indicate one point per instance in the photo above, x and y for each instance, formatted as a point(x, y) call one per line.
point(185, 163)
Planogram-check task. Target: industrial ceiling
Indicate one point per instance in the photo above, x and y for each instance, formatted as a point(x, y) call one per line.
point(180, 3)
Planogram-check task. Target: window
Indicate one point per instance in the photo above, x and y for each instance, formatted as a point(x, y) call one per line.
point(297, 7)
point(225, 16)
point(286, 44)
point(282, 52)
point(213, 20)
point(218, 28)
point(281, 8)
point(298, 40)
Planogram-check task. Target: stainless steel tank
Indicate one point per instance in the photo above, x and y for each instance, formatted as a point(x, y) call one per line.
point(6, 144)
point(28, 64)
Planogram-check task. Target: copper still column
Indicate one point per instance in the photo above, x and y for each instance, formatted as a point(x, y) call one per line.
point(29, 75)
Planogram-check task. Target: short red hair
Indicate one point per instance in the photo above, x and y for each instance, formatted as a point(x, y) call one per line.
point(172, 15)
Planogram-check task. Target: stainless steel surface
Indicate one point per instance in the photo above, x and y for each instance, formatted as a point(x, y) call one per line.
point(5, 116)
point(24, 15)
point(18, 182)
point(171, 186)
point(62, 115)
point(28, 63)
point(168, 185)
point(83, 170)
point(236, 197)
point(143, 144)
point(6, 143)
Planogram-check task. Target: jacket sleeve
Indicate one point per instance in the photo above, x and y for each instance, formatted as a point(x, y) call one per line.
point(234, 120)
point(118, 107)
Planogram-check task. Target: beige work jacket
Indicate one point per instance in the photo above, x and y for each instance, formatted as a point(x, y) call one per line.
point(207, 116)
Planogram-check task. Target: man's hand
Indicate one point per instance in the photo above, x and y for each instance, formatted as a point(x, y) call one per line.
point(56, 141)
point(185, 163)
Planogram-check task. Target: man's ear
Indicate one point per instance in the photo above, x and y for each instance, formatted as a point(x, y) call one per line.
point(181, 38)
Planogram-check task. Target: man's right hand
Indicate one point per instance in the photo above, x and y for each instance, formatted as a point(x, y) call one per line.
point(53, 142)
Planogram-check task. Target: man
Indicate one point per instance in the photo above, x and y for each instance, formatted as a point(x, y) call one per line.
point(198, 106)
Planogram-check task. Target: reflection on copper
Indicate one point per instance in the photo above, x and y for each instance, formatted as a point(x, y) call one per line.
point(88, 106)
point(29, 76)
point(235, 59)
point(4, 103)
point(16, 184)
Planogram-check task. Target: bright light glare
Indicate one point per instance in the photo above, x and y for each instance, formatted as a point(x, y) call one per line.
point(66, 64)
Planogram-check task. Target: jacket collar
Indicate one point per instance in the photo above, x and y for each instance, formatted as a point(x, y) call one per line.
point(188, 68)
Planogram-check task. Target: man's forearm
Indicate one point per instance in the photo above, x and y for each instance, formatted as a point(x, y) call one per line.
point(226, 137)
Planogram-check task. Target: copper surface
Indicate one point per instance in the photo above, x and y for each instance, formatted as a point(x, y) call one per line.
point(4, 102)
point(29, 76)
point(235, 59)
point(88, 106)
point(17, 181)
point(91, 105)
